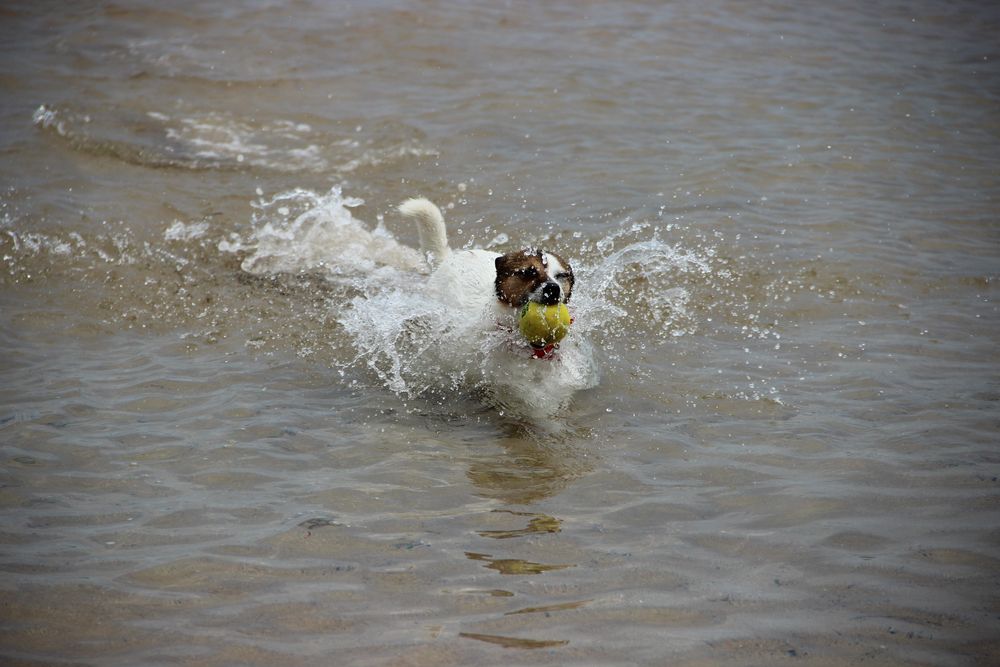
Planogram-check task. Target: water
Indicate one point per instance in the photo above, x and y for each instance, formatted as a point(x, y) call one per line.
point(233, 430)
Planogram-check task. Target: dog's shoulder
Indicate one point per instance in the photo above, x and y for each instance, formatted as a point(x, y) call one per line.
point(465, 278)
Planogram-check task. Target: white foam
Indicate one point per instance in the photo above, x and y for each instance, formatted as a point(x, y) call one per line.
point(46, 117)
point(281, 145)
point(304, 231)
point(376, 156)
point(180, 231)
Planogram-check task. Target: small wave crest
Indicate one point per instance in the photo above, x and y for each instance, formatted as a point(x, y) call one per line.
point(216, 138)
point(223, 141)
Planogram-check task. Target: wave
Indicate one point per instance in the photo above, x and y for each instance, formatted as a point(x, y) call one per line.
point(223, 141)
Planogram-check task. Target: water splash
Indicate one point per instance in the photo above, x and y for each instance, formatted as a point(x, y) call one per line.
point(415, 344)
point(303, 231)
point(354, 297)
point(642, 289)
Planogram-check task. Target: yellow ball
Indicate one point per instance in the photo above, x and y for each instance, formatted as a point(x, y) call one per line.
point(544, 325)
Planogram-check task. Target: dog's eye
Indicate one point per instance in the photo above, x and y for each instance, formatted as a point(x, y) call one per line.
point(528, 272)
point(563, 276)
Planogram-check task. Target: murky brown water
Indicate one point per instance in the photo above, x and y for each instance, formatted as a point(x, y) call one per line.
point(219, 448)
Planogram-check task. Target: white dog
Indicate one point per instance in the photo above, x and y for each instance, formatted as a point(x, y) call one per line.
point(478, 282)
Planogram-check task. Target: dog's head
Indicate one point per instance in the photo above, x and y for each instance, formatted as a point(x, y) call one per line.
point(533, 275)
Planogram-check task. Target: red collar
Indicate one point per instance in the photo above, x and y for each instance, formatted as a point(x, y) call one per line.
point(547, 352)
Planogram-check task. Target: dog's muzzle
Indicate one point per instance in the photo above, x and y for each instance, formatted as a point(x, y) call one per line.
point(550, 294)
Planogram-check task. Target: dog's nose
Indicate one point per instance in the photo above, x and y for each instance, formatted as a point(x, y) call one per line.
point(551, 293)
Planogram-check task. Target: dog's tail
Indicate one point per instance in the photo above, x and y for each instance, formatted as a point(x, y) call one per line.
point(430, 226)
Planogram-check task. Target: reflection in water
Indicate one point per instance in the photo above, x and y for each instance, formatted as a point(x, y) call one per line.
point(515, 565)
point(540, 523)
point(563, 606)
point(493, 592)
point(528, 470)
point(514, 642)
point(318, 522)
point(524, 472)
point(532, 466)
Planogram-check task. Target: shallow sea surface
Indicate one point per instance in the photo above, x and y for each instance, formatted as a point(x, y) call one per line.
point(234, 432)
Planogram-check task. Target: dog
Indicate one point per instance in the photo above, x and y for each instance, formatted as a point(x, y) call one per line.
point(476, 282)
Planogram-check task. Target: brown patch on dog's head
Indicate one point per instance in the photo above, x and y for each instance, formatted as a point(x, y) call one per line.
point(522, 273)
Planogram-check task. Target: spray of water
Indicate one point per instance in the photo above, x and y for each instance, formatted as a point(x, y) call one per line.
point(353, 296)
point(417, 345)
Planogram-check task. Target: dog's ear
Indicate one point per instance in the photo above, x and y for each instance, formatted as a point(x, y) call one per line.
point(513, 281)
point(504, 267)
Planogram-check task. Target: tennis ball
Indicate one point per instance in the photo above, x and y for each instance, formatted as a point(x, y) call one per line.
point(544, 325)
